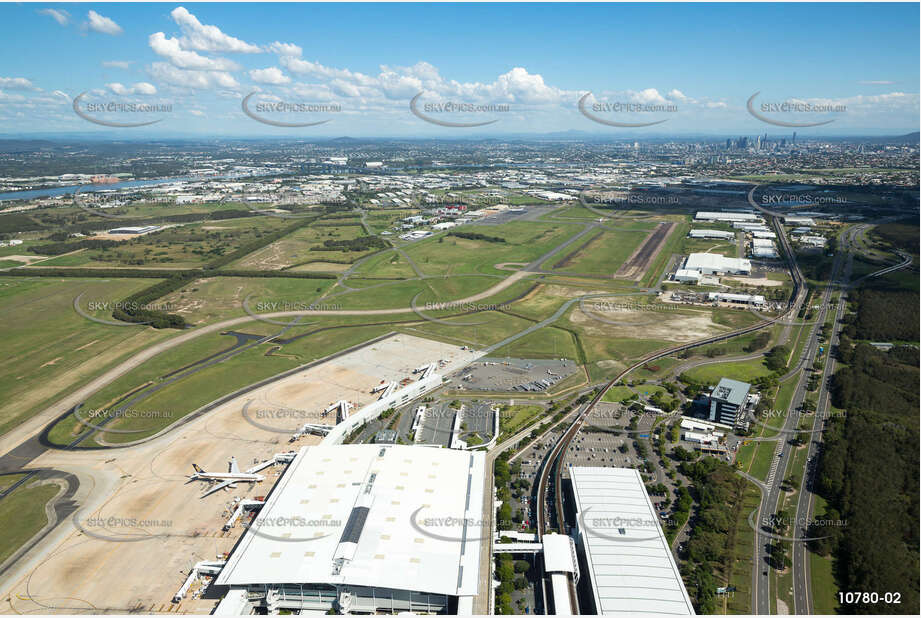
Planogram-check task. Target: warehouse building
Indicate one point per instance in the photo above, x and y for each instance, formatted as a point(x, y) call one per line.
point(629, 567)
point(716, 264)
point(727, 217)
point(800, 221)
point(764, 248)
point(348, 528)
point(711, 234)
point(738, 299)
point(683, 275)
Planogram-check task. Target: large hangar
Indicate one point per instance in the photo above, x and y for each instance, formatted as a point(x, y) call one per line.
point(364, 529)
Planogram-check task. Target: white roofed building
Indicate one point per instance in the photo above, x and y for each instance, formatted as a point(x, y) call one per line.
point(716, 264)
point(726, 216)
point(366, 529)
point(683, 275)
point(630, 567)
point(711, 234)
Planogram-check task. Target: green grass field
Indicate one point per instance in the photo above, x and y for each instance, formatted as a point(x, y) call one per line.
point(184, 396)
point(50, 349)
point(514, 418)
point(22, 516)
point(745, 371)
point(604, 252)
point(524, 242)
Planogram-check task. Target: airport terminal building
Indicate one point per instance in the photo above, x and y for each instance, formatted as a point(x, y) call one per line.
point(364, 529)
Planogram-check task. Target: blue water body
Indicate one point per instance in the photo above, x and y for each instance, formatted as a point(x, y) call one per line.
point(54, 191)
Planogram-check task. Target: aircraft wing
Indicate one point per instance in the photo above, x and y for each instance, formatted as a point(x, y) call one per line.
point(219, 486)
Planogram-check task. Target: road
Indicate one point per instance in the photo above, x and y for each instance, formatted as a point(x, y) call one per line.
point(802, 579)
point(771, 492)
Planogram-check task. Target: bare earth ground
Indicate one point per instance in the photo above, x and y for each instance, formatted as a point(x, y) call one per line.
point(25, 259)
point(658, 325)
point(757, 281)
point(140, 492)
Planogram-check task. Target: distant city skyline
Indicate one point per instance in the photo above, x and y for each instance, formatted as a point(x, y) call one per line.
point(459, 71)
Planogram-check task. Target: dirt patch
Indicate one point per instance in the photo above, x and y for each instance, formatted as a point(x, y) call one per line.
point(25, 259)
point(637, 264)
point(655, 325)
point(755, 281)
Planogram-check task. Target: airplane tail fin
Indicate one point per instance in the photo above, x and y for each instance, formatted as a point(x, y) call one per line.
point(197, 469)
point(234, 468)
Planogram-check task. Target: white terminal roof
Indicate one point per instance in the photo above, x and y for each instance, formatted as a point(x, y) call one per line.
point(394, 516)
point(630, 564)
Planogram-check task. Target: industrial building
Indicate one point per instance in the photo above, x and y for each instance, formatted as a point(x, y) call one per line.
point(813, 241)
point(760, 234)
point(711, 234)
point(739, 299)
point(764, 248)
point(728, 217)
point(629, 567)
point(716, 264)
point(135, 230)
point(349, 528)
point(727, 401)
point(683, 275)
point(750, 226)
point(800, 221)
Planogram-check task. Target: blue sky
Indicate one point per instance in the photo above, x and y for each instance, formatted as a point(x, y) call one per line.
point(693, 66)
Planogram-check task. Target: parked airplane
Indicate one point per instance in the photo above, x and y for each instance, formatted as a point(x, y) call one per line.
point(229, 478)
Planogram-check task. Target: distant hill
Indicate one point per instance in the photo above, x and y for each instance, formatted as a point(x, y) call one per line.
point(25, 145)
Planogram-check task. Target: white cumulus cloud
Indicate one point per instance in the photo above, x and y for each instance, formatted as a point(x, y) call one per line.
point(196, 80)
point(271, 75)
point(202, 37)
point(16, 83)
point(101, 24)
point(171, 49)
